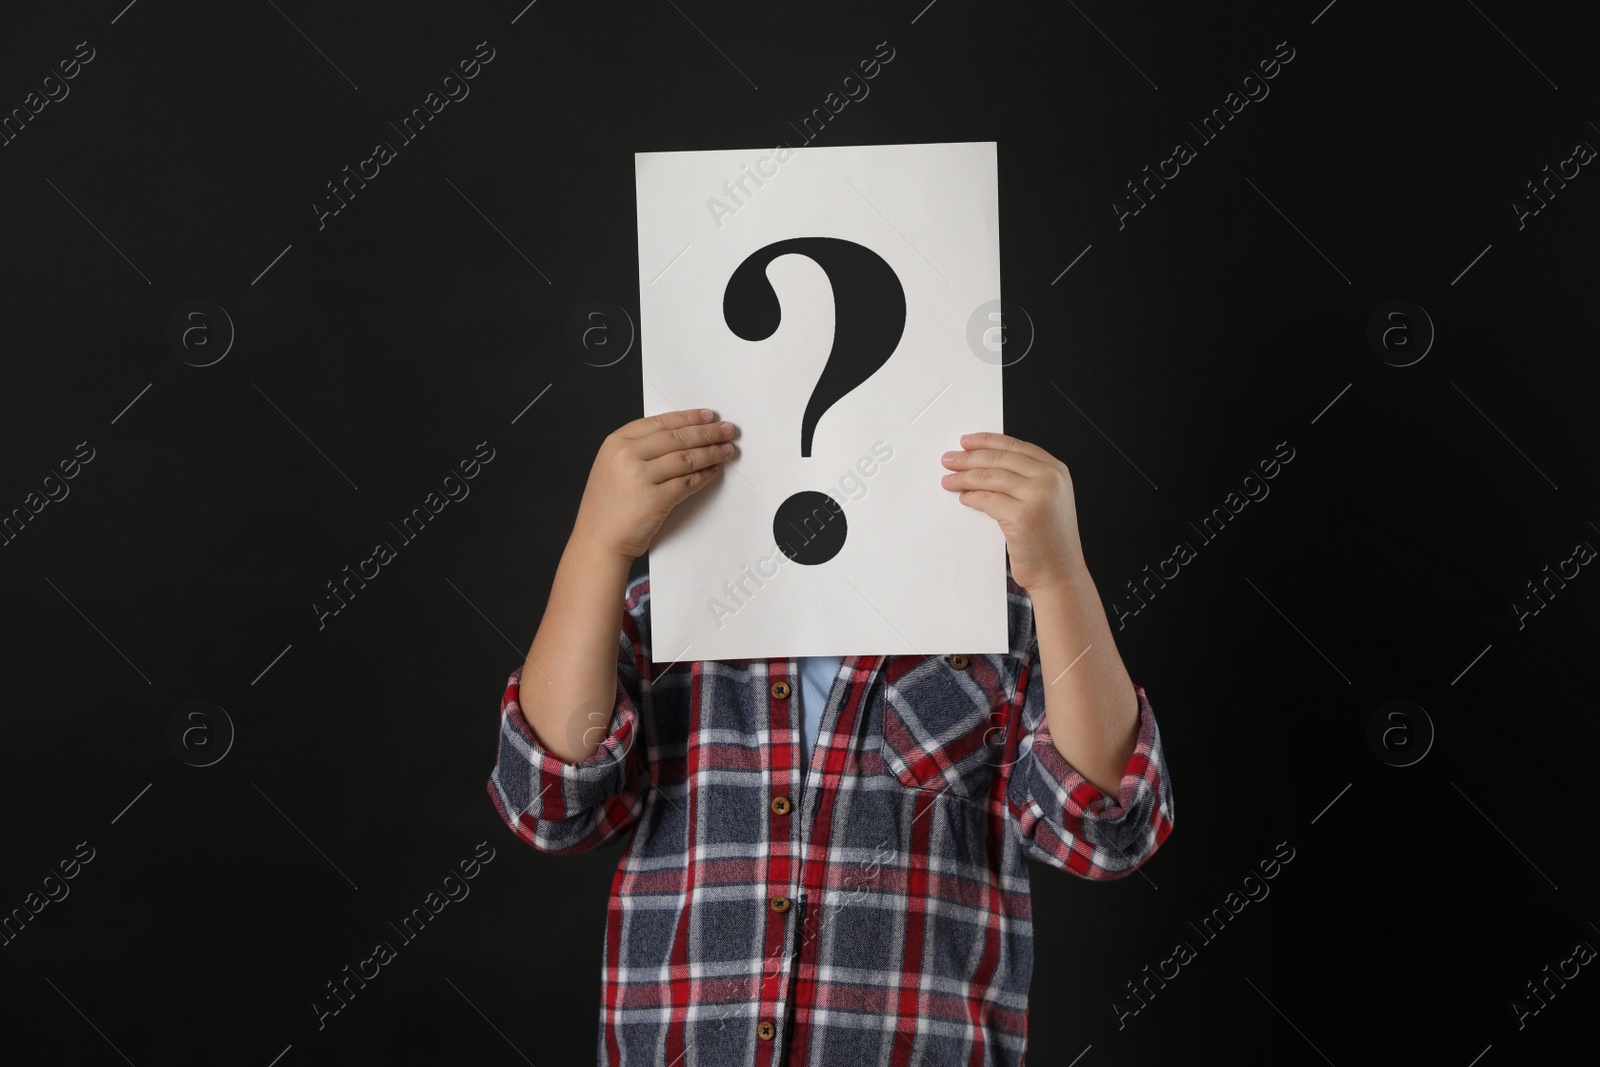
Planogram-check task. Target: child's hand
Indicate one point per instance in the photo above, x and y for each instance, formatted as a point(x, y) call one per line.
point(1029, 493)
point(643, 470)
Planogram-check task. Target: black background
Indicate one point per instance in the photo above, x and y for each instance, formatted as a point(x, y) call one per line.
point(375, 353)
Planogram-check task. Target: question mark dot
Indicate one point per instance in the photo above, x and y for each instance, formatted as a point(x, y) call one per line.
point(809, 527)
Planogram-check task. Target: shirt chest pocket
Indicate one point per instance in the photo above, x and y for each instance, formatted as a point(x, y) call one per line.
point(944, 726)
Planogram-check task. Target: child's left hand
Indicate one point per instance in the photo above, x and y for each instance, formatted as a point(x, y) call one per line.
point(1029, 493)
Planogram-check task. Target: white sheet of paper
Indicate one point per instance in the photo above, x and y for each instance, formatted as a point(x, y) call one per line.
point(918, 573)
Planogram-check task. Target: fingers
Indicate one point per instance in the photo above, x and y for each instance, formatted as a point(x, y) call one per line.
point(681, 488)
point(999, 442)
point(682, 451)
point(1001, 507)
point(687, 461)
point(671, 439)
point(666, 420)
point(995, 459)
point(987, 479)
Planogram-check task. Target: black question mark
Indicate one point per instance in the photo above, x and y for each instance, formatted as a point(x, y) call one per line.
point(869, 307)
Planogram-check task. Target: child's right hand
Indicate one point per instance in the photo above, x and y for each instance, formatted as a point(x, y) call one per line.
point(643, 470)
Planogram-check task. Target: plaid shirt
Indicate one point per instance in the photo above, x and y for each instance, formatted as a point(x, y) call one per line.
point(877, 911)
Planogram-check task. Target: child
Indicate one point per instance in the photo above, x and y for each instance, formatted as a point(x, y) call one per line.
point(859, 898)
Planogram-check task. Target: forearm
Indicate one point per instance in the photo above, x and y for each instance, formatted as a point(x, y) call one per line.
point(569, 678)
point(1089, 699)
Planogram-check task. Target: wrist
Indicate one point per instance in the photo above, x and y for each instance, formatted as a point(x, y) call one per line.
point(1068, 579)
point(596, 557)
point(584, 546)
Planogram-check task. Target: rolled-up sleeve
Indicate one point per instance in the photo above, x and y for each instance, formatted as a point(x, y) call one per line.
point(1066, 821)
point(562, 807)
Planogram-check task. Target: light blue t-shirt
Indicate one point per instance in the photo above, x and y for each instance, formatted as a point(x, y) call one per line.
point(816, 681)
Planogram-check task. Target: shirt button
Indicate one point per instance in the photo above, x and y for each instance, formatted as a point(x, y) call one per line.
point(765, 1030)
point(958, 662)
point(780, 903)
point(780, 805)
point(780, 690)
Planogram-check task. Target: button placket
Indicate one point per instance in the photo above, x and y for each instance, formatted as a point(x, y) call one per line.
point(779, 905)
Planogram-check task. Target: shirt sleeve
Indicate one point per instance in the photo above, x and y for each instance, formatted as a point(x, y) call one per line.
point(1066, 821)
point(562, 807)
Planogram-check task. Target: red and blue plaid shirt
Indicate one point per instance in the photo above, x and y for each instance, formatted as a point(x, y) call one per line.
point(874, 911)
